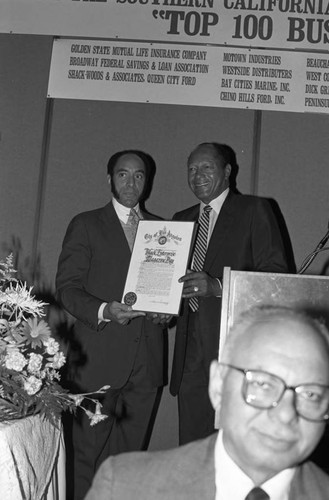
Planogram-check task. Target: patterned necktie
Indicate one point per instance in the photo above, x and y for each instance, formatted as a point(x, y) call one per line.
point(131, 227)
point(200, 249)
point(257, 494)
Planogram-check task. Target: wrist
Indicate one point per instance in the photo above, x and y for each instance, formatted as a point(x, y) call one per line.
point(107, 316)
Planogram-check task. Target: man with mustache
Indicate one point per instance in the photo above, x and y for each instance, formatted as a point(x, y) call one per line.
point(243, 234)
point(111, 344)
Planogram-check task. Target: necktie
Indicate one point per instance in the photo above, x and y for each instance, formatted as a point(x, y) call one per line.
point(200, 249)
point(257, 494)
point(131, 227)
point(133, 219)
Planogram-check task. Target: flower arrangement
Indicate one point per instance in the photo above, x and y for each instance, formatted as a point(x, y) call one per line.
point(30, 358)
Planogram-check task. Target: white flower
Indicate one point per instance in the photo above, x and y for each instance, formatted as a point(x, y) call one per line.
point(35, 363)
point(95, 417)
point(58, 360)
point(51, 374)
point(15, 360)
point(77, 398)
point(35, 332)
point(32, 385)
point(51, 346)
point(18, 300)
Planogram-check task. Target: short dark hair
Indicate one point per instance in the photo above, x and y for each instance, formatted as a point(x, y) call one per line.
point(148, 163)
point(221, 150)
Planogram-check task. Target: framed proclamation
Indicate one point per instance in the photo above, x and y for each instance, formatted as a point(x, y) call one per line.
point(159, 258)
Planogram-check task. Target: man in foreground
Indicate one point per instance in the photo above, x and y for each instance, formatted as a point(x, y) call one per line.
point(112, 344)
point(271, 391)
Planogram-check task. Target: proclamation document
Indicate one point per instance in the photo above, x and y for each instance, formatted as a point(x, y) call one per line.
point(159, 258)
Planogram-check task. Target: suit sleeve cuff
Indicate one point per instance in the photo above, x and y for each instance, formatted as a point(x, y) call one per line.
point(221, 287)
point(100, 313)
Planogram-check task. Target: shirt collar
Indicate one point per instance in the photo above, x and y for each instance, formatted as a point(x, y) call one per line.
point(233, 484)
point(122, 211)
point(216, 203)
point(278, 486)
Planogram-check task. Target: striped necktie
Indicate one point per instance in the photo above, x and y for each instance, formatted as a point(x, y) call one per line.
point(200, 249)
point(257, 494)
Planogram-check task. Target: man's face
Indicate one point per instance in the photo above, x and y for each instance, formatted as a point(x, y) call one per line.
point(264, 442)
point(207, 173)
point(128, 180)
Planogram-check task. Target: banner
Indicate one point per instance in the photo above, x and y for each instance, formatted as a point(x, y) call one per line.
point(276, 24)
point(189, 75)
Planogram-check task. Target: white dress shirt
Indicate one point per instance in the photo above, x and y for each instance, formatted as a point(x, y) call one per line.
point(216, 206)
point(233, 484)
point(124, 212)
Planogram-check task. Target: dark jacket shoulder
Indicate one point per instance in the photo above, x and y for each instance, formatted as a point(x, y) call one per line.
point(149, 216)
point(189, 213)
point(94, 213)
point(240, 201)
point(309, 482)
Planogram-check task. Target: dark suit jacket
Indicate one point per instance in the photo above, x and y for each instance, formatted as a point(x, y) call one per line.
point(92, 269)
point(184, 473)
point(246, 237)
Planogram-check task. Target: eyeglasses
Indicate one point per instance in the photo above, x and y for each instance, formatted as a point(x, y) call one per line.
point(264, 390)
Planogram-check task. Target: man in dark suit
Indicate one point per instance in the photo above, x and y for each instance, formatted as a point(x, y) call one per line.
point(117, 346)
point(271, 391)
point(243, 234)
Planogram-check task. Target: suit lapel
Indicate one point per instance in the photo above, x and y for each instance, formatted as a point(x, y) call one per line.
point(145, 215)
point(194, 214)
point(114, 229)
point(190, 214)
point(222, 226)
point(309, 482)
